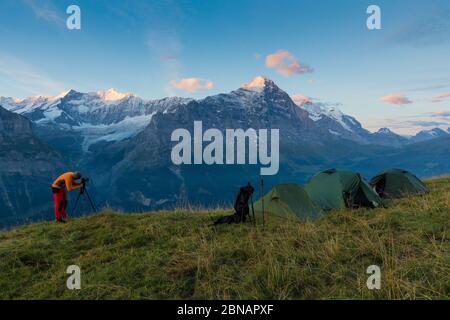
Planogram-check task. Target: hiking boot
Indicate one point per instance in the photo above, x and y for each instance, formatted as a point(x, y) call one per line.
point(61, 220)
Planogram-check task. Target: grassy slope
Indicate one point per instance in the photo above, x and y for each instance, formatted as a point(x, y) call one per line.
point(177, 255)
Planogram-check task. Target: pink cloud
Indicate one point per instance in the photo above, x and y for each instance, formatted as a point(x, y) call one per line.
point(286, 63)
point(441, 97)
point(301, 99)
point(192, 84)
point(398, 99)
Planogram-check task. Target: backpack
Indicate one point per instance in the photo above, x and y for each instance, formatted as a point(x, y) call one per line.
point(241, 208)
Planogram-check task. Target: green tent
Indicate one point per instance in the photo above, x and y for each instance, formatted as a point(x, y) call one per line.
point(339, 189)
point(396, 183)
point(287, 200)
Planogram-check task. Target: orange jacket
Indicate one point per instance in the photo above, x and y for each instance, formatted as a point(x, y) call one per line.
point(66, 179)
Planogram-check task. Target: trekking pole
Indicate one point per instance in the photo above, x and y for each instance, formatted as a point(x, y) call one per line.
point(262, 200)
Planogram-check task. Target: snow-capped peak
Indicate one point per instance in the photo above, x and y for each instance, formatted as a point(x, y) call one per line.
point(28, 104)
point(301, 99)
point(384, 131)
point(40, 98)
point(257, 84)
point(111, 95)
point(59, 96)
point(435, 132)
point(318, 111)
point(429, 134)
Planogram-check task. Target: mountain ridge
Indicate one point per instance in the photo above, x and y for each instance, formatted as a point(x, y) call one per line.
point(124, 146)
point(107, 114)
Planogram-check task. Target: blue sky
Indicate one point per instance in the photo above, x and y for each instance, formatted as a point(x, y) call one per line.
point(149, 47)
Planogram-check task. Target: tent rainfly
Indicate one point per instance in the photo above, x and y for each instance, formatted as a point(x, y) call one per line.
point(287, 200)
point(340, 189)
point(397, 183)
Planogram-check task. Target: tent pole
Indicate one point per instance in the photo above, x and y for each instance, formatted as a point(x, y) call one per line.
point(253, 211)
point(262, 200)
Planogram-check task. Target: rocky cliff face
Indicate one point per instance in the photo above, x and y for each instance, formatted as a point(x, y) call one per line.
point(27, 167)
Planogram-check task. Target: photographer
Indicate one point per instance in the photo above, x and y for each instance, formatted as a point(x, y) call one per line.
point(66, 181)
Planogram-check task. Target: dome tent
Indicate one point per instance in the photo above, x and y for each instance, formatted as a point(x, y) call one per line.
point(287, 200)
point(396, 183)
point(340, 189)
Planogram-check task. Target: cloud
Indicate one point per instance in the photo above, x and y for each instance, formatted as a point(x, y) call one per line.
point(165, 49)
point(286, 64)
point(441, 97)
point(398, 99)
point(427, 123)
point(46, 11)
point(431, 28)
point(301, 99)
point(20, 75)
point(192, 85)
point(431, 87)
point(441, 114)
point(169, 57)
point(164, 44)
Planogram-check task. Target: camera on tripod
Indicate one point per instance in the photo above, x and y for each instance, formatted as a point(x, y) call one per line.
point(83, 183)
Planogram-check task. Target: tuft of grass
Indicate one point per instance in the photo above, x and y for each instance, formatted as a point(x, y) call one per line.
point(178, 255)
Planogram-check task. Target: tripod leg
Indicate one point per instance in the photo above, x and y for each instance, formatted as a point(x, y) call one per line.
point(91, 202)
point(76, 203)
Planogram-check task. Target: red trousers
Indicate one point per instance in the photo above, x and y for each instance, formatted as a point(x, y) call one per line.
point(60, 203)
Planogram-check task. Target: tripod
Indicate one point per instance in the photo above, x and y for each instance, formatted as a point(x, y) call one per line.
point(84, 192)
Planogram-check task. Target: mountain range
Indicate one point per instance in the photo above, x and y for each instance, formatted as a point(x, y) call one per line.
point(26, 163)
point(123, 143)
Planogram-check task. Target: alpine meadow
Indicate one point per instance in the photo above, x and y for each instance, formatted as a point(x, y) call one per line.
point(177, 255)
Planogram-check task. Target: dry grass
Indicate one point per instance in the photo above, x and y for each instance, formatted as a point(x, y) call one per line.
point(177, 254)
